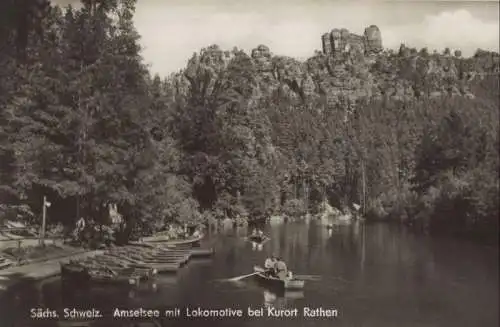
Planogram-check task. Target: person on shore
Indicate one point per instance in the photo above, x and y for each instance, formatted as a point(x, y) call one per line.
point(80, 227)
point(269, 265)
point(178, 232)
point(80, 224)
point(281, 269)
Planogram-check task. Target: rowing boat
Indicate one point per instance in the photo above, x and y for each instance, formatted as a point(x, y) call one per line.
point(166, 241)
point(258, 239)
point(82, 275)
point(288, 284)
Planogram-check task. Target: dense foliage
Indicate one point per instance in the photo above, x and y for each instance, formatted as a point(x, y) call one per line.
point(408, 135)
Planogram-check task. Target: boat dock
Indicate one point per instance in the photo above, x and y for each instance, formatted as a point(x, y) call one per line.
point(136, 262)
point(130, 264)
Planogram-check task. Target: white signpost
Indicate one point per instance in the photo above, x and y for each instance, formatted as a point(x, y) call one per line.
point(46, 204)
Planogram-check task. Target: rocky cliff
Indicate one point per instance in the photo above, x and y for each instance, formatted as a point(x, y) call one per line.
point(351, 67)
point(340, 41)
point(372, 40)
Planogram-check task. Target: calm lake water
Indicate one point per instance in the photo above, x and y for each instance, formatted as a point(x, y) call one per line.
point(373, 275)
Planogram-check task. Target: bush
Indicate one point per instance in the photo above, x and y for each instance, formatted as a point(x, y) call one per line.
point(294, 208)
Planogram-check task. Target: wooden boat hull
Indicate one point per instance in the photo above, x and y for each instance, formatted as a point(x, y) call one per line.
point(76, 273)
point(82, 276)
point(165, 241)
point(202, 253)
point(161, 253)
point(287, 284)
point(156, 266)
point(140, 273)
point(257, 239)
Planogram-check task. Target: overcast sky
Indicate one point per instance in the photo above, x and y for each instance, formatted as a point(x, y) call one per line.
point(173, 29)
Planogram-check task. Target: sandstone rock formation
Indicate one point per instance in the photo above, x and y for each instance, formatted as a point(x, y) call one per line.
point(327, 43)
point(344, 40)
point(350, 68)
point(308, 86)
point(340, 41)
point(262, 57)
point(261, 53)
point(373, 40)
point(335, 40)
point(404, 51)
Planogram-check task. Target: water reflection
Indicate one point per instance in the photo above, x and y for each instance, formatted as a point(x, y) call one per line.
point(281, 300)
point(227, 225)
point(269, 298)
point(366, 270)
point(276, 220)
point(257, 246)
point(241, 231)
point(149, 288)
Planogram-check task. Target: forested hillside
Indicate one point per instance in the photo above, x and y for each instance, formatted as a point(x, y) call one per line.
point(410, 135)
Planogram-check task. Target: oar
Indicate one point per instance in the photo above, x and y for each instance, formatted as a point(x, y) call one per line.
point(308, 277)
point(242, 277)
point(317, 277)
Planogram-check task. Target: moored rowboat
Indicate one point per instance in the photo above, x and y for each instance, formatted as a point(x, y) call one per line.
point(81, 275)
point(288, 284)
point(166, 241)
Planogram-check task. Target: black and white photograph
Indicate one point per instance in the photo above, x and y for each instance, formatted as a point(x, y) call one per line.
point(249, 163)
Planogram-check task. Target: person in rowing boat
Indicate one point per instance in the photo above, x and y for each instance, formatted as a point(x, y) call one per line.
point(281, 269)
point(261, 234)
point(269, 265)
point(254, 233)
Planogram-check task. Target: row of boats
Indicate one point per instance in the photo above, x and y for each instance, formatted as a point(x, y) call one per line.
point(137, 262)
point(132, 263)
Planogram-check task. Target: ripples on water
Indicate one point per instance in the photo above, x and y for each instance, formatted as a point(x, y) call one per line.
point(374, 275)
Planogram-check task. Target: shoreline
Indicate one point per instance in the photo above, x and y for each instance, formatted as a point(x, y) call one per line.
point(38, 271)
point(15, 276)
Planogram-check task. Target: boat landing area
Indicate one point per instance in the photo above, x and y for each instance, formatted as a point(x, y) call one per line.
point(140, 258)
point(14, 276)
